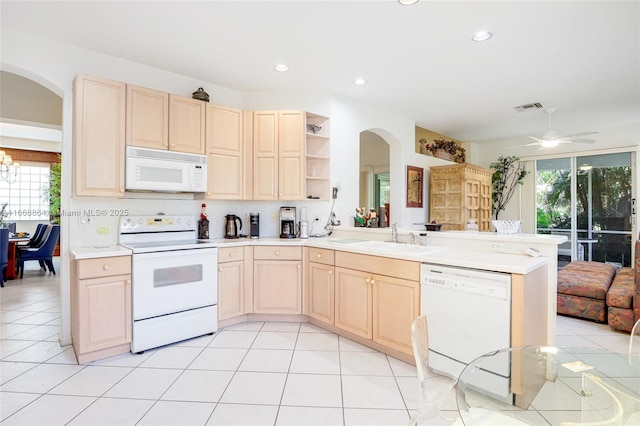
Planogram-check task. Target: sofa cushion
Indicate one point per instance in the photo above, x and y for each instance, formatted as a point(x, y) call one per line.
point(622, 289)
point(586, 279)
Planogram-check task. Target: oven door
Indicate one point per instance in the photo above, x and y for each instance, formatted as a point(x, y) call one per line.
point(174, 281)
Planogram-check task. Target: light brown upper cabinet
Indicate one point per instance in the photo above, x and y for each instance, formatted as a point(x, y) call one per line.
point(147, 118)
point(161, 120)
point(225, 153)
point(278, 155)
point(186, 124)
point(99, 136)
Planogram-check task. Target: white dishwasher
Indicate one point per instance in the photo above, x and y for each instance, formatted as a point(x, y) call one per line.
point(468, 315)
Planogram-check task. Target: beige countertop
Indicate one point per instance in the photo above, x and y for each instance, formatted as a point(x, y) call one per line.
point(475, 259)
point(488, 261)
point(92, 252)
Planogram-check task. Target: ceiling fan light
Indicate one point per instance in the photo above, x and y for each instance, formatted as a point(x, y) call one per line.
point(359, 81)
point(407, 2)
point(281, 68)
point(549, 143)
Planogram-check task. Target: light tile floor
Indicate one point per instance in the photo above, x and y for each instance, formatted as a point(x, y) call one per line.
point(258, 373)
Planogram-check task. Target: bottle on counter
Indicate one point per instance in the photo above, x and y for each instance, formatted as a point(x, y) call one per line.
point(472, 226)
point(203, 224)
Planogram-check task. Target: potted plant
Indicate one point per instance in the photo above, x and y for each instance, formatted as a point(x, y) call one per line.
point(508, 173)
point(51, 193)
point(444, 149)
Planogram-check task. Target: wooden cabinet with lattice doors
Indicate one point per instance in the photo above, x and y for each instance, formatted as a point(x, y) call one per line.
point(458, 193)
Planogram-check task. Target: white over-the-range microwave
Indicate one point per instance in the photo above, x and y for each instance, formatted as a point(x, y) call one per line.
point(164, 171)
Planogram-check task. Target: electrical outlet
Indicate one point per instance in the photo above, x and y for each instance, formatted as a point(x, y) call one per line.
point(273, 217)
point(85, 220)
point(496, 246)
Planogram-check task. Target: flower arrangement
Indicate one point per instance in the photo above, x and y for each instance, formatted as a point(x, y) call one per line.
point(447, 150)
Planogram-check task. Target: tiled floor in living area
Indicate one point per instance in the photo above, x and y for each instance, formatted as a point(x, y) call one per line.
point(259, 373)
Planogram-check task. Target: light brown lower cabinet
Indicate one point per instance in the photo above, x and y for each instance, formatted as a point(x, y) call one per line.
point(231, 282)
point(101, 307)
point(277, 280)
point(320, 289)
point(375, 306)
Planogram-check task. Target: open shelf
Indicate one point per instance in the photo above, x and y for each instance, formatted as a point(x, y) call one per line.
point(317, 154)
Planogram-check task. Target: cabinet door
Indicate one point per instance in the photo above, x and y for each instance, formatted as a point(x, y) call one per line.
point(147, 118)
point(186, 124)
point(320, 292)
point(291, 172)
point(99, 136)
point(225, 155)
point(396, 303)
point(230, 290)
point(277, 287)
point(353, 299)
point(104, 312)
point(265, 155)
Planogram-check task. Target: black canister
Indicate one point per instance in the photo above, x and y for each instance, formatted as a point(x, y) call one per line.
point(254, 231)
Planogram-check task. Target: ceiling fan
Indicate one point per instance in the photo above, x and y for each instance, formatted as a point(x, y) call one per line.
point(550, 138)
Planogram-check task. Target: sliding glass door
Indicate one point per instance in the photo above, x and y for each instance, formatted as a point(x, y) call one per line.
point(589, 199)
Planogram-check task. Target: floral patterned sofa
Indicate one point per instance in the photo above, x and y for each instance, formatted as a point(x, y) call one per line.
point(623, 298)
point(582, 289)
point(594, 291)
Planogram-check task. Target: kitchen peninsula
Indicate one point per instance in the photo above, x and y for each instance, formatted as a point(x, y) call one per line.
point(357, 285)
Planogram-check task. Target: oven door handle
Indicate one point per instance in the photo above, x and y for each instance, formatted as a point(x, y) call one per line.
point(174, 253)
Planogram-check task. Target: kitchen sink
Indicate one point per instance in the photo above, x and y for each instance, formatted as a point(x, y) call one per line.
point(394, 247)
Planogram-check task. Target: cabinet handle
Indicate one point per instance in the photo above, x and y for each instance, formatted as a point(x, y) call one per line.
point(220, 269)
point(275, 195)
point(127, 282)
point(277, 253)
point(368, 280)
point(330, 272)
point(105, 267)
point(173, 144)
point(319, 255)
point(231, 254)
point(373, 282)
point(299, 266)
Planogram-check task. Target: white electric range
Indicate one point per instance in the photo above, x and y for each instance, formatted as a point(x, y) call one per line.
point(174, 280)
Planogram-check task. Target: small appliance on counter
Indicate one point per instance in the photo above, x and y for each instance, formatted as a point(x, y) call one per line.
point(287, 222)
point(231, 229)
point(254, 229)
point(304, 224)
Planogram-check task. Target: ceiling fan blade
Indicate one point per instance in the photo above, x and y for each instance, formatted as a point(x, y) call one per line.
point(520, 146)
point(535, 139)
point(575, 135)
point(582, 140)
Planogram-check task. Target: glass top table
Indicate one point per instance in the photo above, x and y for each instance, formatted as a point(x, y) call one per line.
point(538, 385)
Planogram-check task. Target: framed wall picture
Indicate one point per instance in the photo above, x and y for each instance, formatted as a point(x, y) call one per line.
point(415, 176)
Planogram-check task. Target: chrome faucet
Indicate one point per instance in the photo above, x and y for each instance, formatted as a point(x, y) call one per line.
point(394, 233)
point(412, 237)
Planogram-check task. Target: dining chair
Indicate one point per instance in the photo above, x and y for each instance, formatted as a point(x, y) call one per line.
point(42, 253)
point(4, 252)
point(432, 389)
point(633, 333)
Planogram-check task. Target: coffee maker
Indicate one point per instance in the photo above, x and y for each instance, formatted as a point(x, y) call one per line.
point(287, 222)
point(254, 229)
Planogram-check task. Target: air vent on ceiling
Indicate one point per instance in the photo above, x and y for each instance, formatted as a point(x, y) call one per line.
point(527, 107)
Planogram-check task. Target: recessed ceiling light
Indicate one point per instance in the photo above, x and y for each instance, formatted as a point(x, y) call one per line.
point(407, 2)
point(482, 36)
point(281, 68)
point(359, 81)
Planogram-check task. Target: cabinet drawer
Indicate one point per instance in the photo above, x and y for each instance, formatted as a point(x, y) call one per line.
point(319, 255)
point(104, 266)
point(277, 253)
point(403, 269)
point(230, 254)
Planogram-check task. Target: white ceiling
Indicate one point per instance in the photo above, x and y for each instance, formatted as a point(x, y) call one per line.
point(580, 57)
